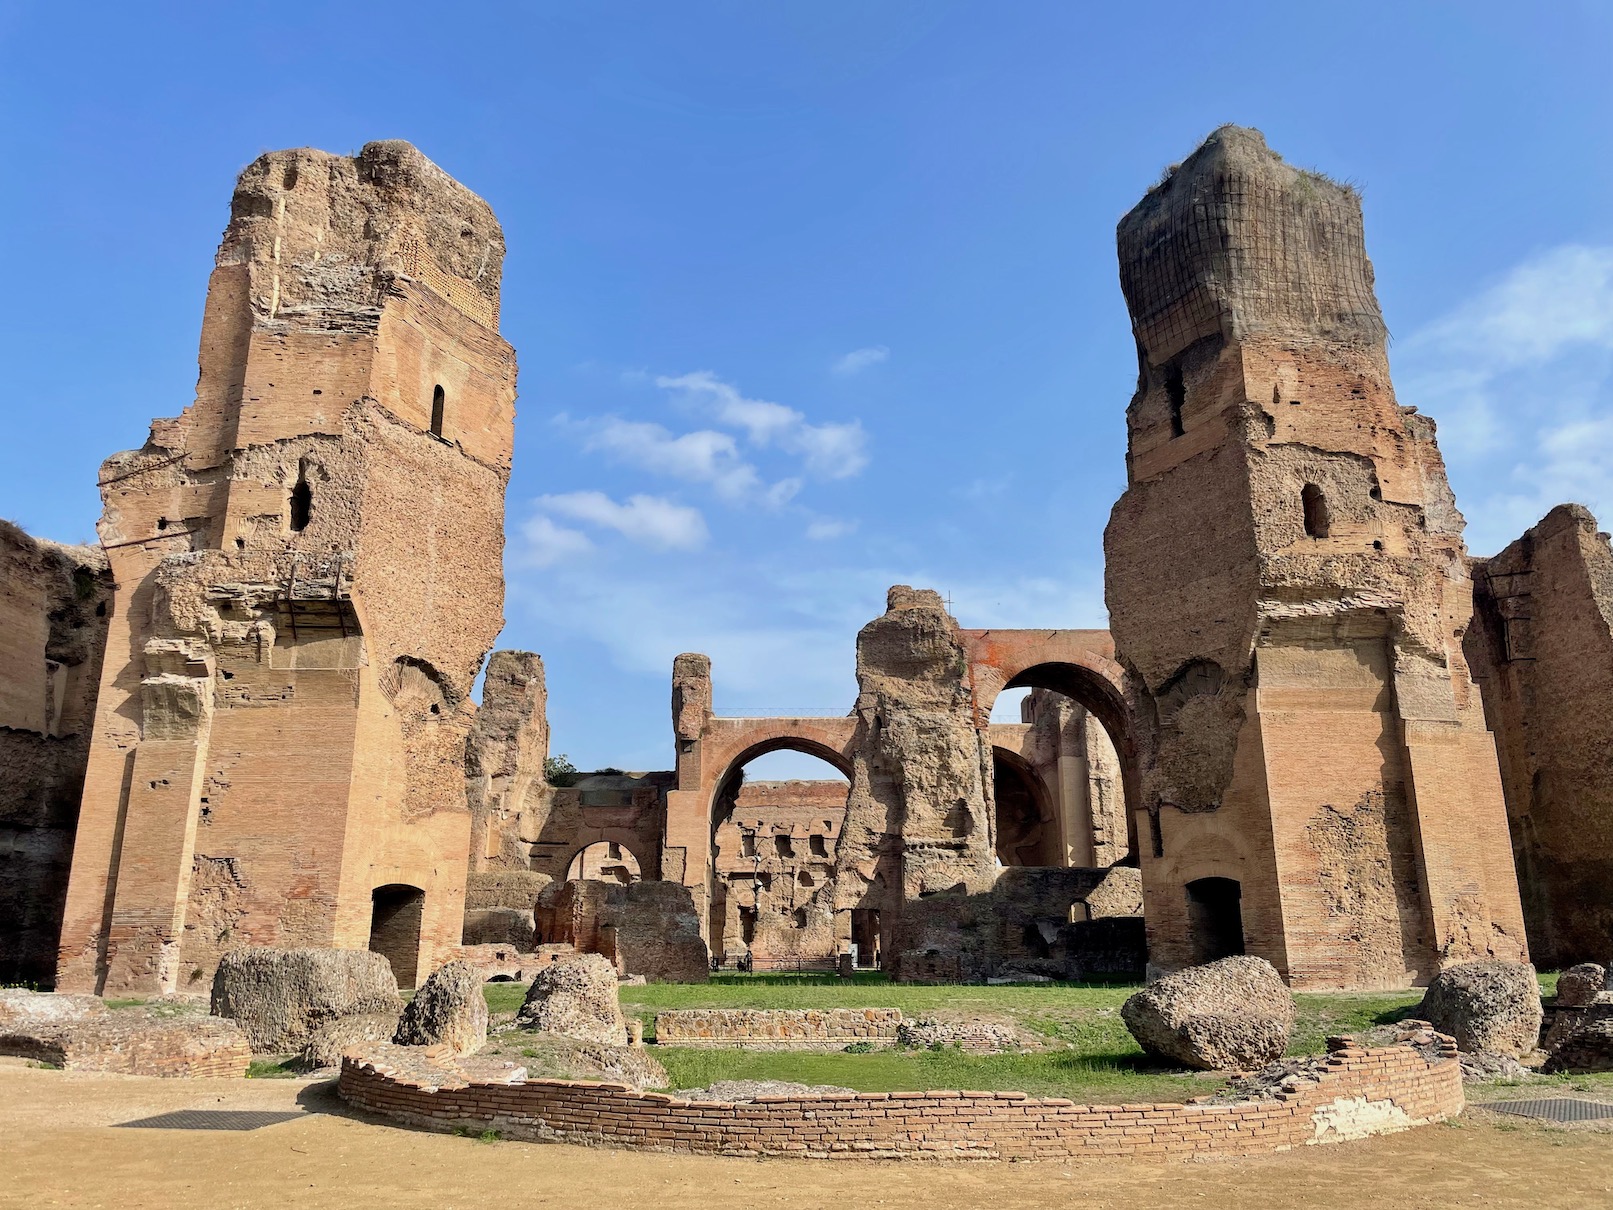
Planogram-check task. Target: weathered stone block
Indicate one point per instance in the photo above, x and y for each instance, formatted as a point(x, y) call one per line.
point(1489, 1007)
point(281, 996)
point(576, 999)
point(1227, 1015)
point(448, 1010)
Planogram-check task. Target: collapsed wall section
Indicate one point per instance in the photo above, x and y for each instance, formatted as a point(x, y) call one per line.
point(308, 570)
point(53, 626)
point(1543, 654)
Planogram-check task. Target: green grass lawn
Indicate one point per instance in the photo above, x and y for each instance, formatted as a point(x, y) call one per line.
point(1091, 1055)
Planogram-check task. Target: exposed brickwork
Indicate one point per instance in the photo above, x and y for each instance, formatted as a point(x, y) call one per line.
point(308, 576)
point(776, 1028)
point(134, 1043)
point(1364, 1091)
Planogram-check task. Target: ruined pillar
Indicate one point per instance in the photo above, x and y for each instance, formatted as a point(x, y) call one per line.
point(686, 852)
point(504, 762)
point(1288, 590)
point(308, 575)
point(1543, 653)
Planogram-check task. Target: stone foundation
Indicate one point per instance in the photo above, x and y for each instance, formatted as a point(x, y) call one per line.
point(777, 1028)
point(1363, 1092)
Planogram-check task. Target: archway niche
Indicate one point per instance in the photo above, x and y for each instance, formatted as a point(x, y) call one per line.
point(396, 911)
point(605, 861)
point(1063, 787)
point(775, 825)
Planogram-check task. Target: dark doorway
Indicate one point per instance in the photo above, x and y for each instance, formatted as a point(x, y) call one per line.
point(1215, 918)
point(439, 403)
point(865, 936)
point(395, 914)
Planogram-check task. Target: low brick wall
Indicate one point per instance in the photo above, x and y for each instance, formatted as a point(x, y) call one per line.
point(776, 1029)
point(130, 1043)
point(1362, 1092)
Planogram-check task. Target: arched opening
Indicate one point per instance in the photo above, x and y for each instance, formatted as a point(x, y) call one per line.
point(605, 861)
point(395, 917)
point(776, 818)
point(1069, 769)
point(302, 499)
point(1214, 918)
point(439, 402)
point(1028, 830)
point(1316, 513)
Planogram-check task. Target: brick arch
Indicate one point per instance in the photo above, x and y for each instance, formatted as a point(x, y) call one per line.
point(1080, 664)
point(1038, 790)
point(628, 839)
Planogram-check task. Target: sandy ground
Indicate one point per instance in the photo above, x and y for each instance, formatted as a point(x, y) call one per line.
point(57, 1148)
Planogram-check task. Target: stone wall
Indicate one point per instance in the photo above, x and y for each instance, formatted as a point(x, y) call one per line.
point(777, 1028)
point(1288, 592)
point(54, 602)
point(647, 928)
point(1364, 1092)
point(1543, 654)
point(309, 575)
point(774, 860)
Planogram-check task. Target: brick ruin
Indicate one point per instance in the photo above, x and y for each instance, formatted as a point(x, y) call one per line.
point(1283, 746)
point(53, 607)
point(307, 571)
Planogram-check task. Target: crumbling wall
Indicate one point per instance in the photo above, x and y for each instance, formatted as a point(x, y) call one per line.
point(648, 928)
point(505, 787)
point(1543, 654)
point(53, 625)
point(309, 576)
point(1288, 593)
point(919, 813)
point(774, 862)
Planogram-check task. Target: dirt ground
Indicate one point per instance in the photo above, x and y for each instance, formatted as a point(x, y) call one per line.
point(57, 1149)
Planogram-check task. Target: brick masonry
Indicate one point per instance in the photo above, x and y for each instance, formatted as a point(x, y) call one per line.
point(777, 1028)
point(1363, 1092)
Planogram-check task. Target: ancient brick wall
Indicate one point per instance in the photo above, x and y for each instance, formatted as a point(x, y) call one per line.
point(1543, 654)
point(1288, 592)
point(53, 626)
point(309, 576)
point(1364, 1092)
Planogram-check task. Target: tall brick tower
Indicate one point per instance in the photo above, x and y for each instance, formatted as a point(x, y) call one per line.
point(1288, 589)
point(308, 576)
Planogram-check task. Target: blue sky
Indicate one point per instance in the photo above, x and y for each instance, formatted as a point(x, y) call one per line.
point(813, 298)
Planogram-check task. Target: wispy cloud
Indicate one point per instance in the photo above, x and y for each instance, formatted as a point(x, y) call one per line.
point(705, 456)
point(651, 521)
point(1520, 381)
point(858, 360)
point(827, 528)
point(827, 451)
point(543, 543)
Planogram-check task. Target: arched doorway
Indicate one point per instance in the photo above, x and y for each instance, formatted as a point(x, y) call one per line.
point(776, 818)
point(605, 861)
point(1215, 918)
point(1075, 739)
point(1029, 831)
point(395, 916)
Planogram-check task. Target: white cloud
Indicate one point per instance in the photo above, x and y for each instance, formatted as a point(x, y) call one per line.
point(648, 520)
point(1520, 381)
point(826, 528)
point(545, 543)
point(860, 359)
point(705, 456)
point(828, 451)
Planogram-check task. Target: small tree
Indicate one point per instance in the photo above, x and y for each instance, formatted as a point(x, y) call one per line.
point(559, 771)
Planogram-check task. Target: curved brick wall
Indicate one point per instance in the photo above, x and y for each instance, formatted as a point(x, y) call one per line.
point(1363, 1092)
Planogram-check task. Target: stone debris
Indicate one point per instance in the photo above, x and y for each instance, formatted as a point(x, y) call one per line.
point(1489, 1007)
point(448, 1010)
point(21, 1008)
point(1231, 1015)
point(1588, 1047)
point(576, 999)
point(133, 1041)
point(280, 997)
point(329, 1042)
point(1580, 985)
point(972, 1035)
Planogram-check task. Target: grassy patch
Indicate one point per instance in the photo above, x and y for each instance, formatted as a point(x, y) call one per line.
point(1090, 1054)
point(273, 1069)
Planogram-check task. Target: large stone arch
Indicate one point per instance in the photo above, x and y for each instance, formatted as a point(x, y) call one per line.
point(707, 761)
point(1080, 664)
point(630, 840)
